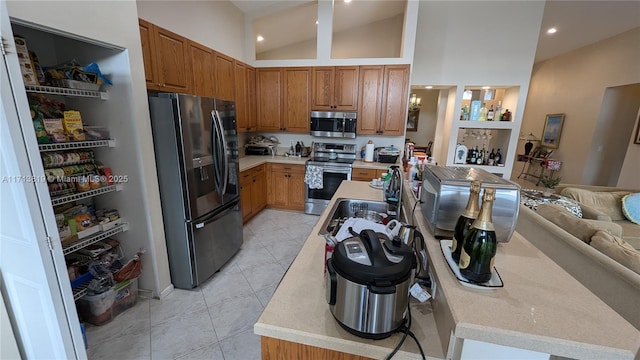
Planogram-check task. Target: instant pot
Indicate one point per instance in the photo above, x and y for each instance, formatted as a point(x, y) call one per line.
point(368, 284)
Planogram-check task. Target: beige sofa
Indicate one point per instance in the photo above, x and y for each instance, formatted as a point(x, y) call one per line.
point(591, 250)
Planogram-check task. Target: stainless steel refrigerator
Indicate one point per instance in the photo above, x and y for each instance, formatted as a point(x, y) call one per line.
point(196, 148)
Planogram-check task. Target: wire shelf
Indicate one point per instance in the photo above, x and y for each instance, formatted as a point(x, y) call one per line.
point(64, 91)
point(76, 145)
point(83, 195)
point(68, 249)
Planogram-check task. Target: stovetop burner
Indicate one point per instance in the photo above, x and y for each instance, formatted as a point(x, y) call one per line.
point(334, 153)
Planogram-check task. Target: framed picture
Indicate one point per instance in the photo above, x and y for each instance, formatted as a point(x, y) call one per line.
point(461, 154)
point(552, 130)
point(412, 119)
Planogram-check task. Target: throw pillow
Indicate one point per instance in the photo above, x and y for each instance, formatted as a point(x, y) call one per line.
point(631, 207)
point(567, 221)
point(617, 249)
point(608, 202)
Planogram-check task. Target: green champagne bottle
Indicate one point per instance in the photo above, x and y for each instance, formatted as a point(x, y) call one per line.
point(466, 219)
point(480, 244)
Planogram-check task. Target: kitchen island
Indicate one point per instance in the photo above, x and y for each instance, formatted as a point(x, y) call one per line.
point(540, 310)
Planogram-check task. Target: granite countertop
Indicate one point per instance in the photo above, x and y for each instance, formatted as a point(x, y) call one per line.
point(247, 162)
point(540, 308)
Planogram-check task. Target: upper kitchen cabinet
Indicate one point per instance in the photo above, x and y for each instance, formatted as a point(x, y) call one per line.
point(335, 88)
point(166, 58)
point(203, 67)
point(269, 82)
point(297, 99)
point(147, 39)
point(225, 74)
point(283, 99)
point(245, 91)
point(382, 99)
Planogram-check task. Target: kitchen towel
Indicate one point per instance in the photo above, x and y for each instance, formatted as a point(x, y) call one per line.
point(368, 153)
point(313, 177)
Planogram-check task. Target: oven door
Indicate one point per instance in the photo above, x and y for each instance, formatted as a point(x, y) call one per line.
point(316, 200)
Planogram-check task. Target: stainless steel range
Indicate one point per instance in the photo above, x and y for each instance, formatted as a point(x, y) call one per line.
point(335, 160)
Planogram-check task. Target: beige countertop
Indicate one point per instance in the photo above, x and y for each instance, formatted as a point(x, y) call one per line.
point(247, 162)
point(540, 308)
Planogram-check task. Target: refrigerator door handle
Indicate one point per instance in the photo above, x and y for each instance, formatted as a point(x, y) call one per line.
point(224, 153)
point(215, 149)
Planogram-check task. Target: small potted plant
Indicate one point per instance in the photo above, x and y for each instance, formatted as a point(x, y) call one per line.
point(549, 184)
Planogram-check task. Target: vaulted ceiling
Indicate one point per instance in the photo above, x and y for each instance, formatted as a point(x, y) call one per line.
point(579, 23)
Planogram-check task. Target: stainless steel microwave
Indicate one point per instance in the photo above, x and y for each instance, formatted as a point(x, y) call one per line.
point(333, 124)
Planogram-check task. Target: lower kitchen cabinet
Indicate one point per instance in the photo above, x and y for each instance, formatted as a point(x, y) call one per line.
point(285, 186)
point(253, 188)
point(359, 174)
point(273, 348)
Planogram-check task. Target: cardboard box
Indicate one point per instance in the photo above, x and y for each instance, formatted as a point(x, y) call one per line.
point(26, 65)
point(73, 125)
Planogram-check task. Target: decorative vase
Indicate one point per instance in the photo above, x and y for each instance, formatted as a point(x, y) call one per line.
point(547, 192)
point(527, 147)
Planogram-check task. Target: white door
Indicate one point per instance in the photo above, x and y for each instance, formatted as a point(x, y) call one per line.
point(32, 275)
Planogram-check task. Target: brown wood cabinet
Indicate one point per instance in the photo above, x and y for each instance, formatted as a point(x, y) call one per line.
point(203, 69)
point(277, 349)
point(253, 189)
point(297, 99)
point(285, 187)
point(283, 99)
point(269, 82)
point(362, 174)
point(245, 97)
point(335, 88)
point(383, 96)
point(225, 77)
point(166, 57)
point(147, 39)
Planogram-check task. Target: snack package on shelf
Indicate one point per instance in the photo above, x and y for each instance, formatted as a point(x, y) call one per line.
point(73, 125)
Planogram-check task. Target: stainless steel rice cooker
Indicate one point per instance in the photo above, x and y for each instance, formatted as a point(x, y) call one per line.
point(368, 284)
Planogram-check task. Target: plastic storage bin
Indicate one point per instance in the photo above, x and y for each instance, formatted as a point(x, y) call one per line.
point(97, 309)
point(126, 294)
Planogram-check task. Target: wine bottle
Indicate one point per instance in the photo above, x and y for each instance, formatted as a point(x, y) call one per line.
point(479, 245)
point(465, 220)
point(483, 113)
point(490, 113)
point(492, 158)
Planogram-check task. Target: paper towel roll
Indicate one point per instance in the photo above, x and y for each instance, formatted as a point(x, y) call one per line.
point(368, 153)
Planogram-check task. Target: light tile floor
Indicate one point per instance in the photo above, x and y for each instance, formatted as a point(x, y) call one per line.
point(215, 320)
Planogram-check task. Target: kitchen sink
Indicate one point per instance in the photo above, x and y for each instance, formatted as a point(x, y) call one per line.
point(346, 208)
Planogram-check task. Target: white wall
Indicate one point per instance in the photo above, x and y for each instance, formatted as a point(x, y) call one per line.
point(428, 117)
point(575, 84)
point(456, 46)
point(216, 24)
point(628, 178)
point(116, 24)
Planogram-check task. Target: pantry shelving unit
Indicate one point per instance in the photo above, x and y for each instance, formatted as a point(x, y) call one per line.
point(81, 290)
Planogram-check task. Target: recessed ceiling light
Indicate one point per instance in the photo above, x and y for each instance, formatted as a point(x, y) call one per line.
point(259, 38)
point(486, 87)
point(316, 22)
point(428, 87)
point(552, 31)
point(347, 1)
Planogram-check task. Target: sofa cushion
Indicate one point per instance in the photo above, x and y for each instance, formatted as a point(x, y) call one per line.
point(614, 228)
point(631, 207)
point(630, 233)
point(572, 224)
point(617, 249)
point(608, 202)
